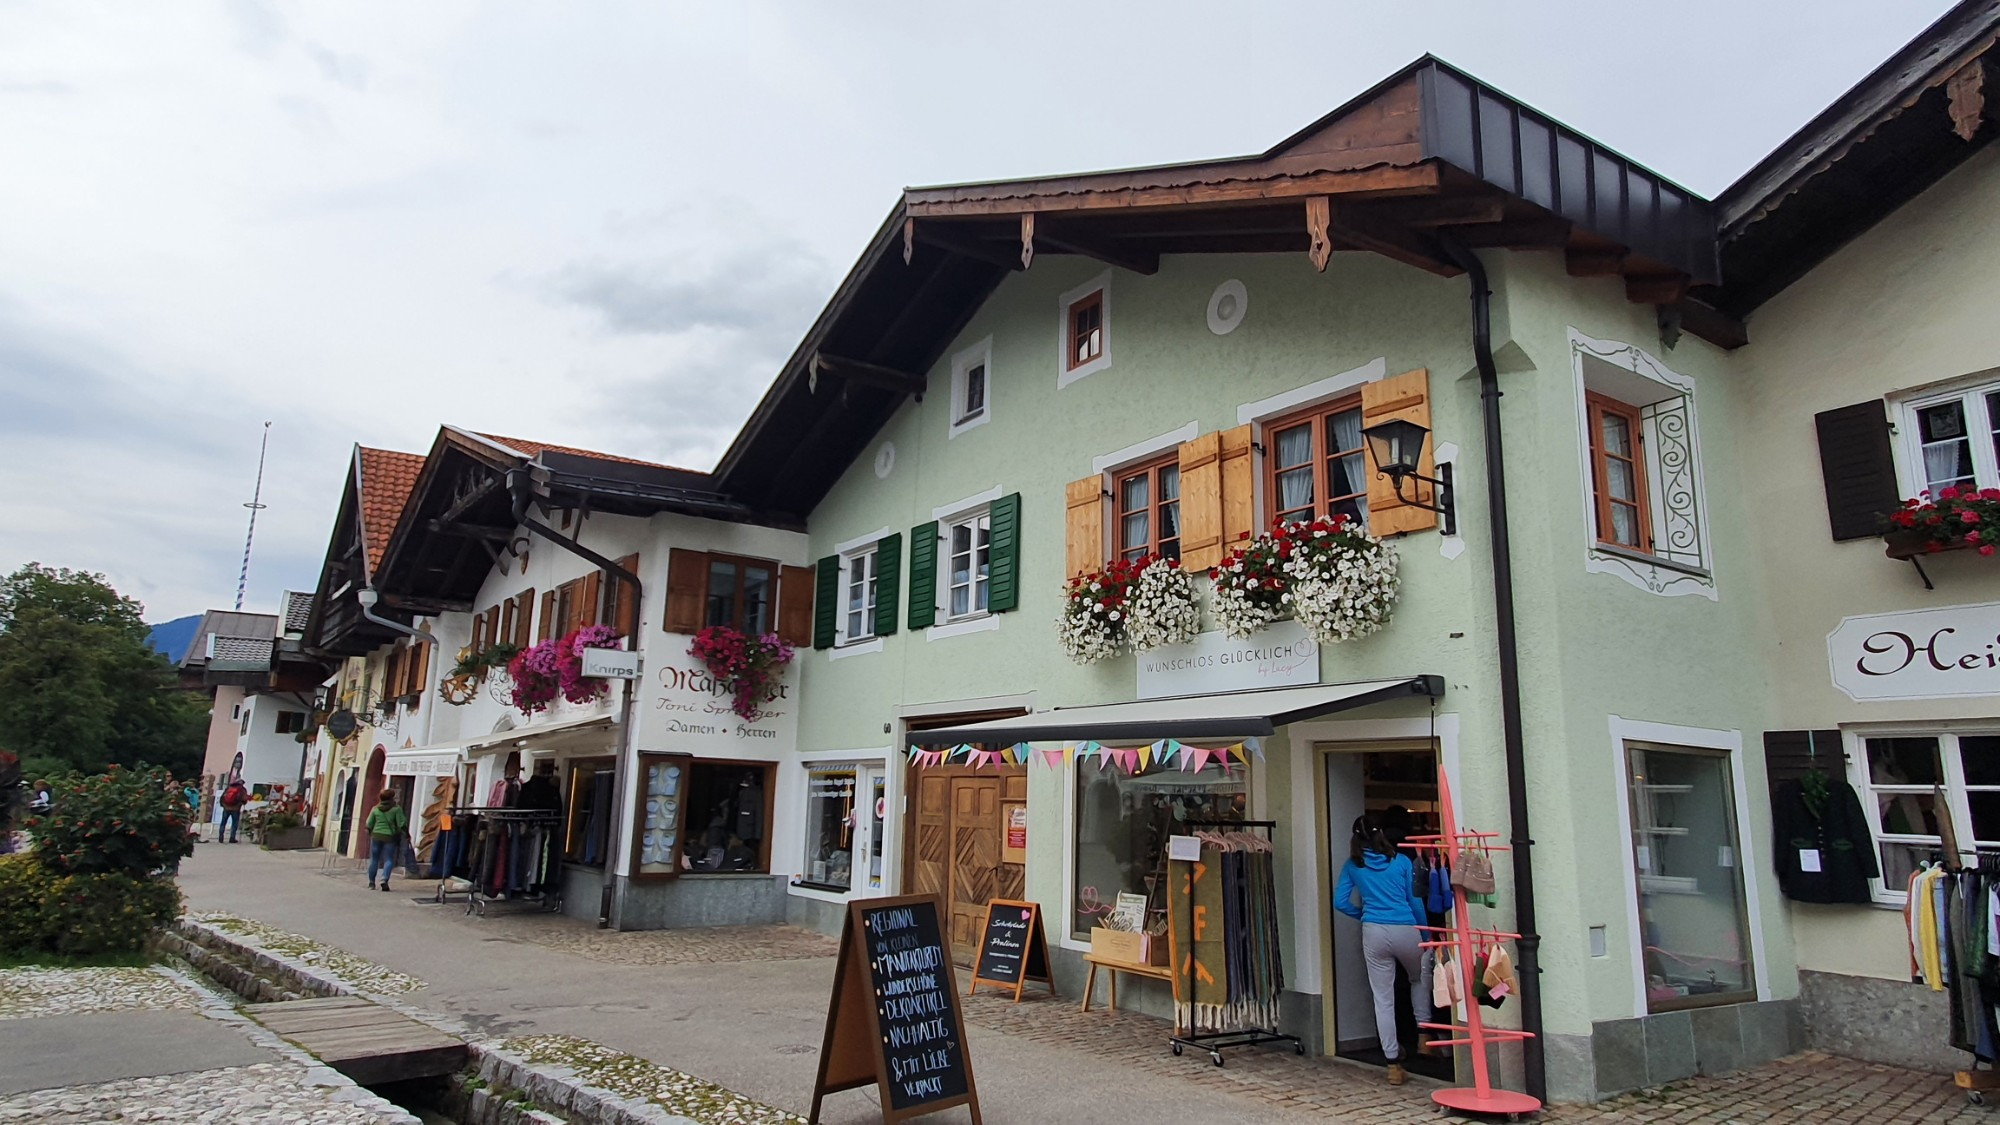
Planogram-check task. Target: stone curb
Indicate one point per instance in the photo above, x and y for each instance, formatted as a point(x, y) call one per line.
point(558, 1087)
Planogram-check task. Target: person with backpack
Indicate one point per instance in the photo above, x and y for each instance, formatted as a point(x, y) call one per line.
point(233, 799)
point(387, 825)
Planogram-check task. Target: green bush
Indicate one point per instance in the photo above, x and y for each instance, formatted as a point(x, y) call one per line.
point(96, 914)
point(131, 822)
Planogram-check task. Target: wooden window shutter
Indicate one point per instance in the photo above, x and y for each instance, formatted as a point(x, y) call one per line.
point(507, 623)
point(548, 622)
point(826, 601)
point(1238, 474)
point(1405, 396)
point(624, 615)
point(797, 610)
point(687, 590)
point(590, 606)
point(1859, 470)
point(1003, 590)
point(1083, 525)
point(1202, 545)
point(923, 575)
point(888, 581)
point(420, 668)
point(524, 613)
point(479, 632)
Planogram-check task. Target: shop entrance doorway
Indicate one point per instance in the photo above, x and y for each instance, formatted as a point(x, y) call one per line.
point(958, 817)
point(1395, 784)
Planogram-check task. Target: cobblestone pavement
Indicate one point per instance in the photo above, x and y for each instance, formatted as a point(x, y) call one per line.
point(27, 993)
point(1809, 1088)
point(360, 973)
point(633, 1077)
point(264, 1094)
point(671, 947)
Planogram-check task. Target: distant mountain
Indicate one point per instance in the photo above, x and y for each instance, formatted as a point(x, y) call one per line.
point(172, 638)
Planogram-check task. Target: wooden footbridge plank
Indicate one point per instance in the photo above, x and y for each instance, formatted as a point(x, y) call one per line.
point(362, 1039)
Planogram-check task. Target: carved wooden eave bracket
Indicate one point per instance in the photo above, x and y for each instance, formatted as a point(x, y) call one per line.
point(1965, 95)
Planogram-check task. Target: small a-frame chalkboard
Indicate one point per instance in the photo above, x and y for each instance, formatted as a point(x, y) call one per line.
point(1013, 948)
point(894, 1020)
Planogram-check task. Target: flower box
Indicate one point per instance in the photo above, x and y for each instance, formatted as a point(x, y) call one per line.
point(1912, 542)
point(287, 839)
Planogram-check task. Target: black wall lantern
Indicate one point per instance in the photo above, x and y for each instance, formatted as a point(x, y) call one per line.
point(1398, 446)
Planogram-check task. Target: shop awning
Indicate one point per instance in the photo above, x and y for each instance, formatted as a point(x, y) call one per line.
point(534, 734)
point(437, 758)
point(1244, 714)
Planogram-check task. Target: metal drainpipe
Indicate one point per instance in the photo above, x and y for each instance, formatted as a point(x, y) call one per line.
point(1532, 1054)
point(520, 487)
point(365, 598)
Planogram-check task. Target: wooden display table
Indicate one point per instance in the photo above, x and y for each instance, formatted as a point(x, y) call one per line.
point(1156, 972)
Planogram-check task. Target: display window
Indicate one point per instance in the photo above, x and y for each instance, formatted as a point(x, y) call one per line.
point(833, 827)
point(662, 811)
point(878, 811)
point(726, 817)
point(1691, 897)
point(589, 786)
point(1122, 822)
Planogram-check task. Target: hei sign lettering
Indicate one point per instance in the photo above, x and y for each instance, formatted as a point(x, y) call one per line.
point(1280, 656)
point(1922, 654)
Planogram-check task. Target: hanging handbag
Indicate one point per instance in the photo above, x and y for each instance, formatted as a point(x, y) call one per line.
point(1474, 873)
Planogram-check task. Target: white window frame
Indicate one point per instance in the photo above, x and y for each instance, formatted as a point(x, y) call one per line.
point(978, 521)
point(1909, 445)
point(1065, 374)
point(870, 766)
point(1955, 791)
point(978, 356)
point(1681, 564)
point(869, 558)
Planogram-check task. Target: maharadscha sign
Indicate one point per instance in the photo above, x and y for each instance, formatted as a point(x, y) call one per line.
point(1921, 654)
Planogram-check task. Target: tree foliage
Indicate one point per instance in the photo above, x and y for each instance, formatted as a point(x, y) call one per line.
point(80, 688)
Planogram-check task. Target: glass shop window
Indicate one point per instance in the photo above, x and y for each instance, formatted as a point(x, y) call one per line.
point(591, 783)
point(1685, 847)
point(1122, 824)
point(831, 829)
point(728, 817)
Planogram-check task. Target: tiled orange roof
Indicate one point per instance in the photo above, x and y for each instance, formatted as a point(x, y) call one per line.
point(386, 480)
point(536, 448)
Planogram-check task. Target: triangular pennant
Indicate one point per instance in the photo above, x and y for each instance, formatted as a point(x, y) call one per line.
point(1254, 745)
point(1145, 758)
point(1200, 757)
point(1052, 758)
point(1069, 753)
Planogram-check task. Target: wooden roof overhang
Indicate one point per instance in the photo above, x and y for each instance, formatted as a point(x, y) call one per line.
point(1427, 154)
point(460, 523)
point(334, 626)
point(1916, 117)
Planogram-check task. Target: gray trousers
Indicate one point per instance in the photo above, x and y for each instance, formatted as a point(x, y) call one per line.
point(1383, 947)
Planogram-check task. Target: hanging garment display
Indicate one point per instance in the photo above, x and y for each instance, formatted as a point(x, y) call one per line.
point(1824, 850)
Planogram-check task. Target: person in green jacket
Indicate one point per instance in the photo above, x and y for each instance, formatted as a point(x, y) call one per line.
point(387, 825)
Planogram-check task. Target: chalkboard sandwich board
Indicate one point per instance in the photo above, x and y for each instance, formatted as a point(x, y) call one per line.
point(894, 1021)
point(1013, 948)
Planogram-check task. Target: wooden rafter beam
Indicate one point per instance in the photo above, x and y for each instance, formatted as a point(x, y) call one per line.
point(944, 238)
point(471, 497)
point(851, 371)
point(1656, 289)
point(1328, 222)
point(467, 530)
point(1583, 261)
point(1711, 324)
point(1068, 238)
point(1515, 234)
point(1384, 181)
point(1435, 211)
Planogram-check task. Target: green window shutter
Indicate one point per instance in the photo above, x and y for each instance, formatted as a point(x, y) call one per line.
point(1003, 591)
point(888, 579)
point(826, 601)
point(923, 575)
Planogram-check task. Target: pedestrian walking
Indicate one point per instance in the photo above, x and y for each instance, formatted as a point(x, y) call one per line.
point(1377, 886)
point(388, 824)
point(233, 799)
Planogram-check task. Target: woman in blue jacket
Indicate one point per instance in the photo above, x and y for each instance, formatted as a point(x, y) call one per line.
point(1377, 886)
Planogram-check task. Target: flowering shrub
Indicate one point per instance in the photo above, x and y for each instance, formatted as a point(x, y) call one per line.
point(534, 672)
point(130, 821)
point(747, 666)
point(1250, 585)
point(575, 686)
point(283, 810)
point(1163, 607)
point(1955, 517)
point(1343, 580)
point(1094, 615)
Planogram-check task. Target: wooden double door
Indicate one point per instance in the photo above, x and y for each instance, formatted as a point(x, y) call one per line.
point(956, 844)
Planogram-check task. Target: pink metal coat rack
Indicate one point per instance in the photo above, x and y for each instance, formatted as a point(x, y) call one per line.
point(1468, 946)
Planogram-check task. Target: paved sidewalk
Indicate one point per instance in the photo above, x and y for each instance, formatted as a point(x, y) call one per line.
point(85, 1046)
point(745, 1008)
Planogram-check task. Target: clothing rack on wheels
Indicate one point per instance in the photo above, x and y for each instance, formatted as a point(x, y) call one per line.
point(1953, 917)
point(1468, 947)
point(515, 859)
point(1253, 973)
point(452, 855)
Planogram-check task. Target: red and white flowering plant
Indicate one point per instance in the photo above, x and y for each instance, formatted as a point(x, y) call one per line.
point(1095, 611)
point(747, 666)
point(1163, 607)
point(1955, 517)
point(1339, 581)
point(1250, 585)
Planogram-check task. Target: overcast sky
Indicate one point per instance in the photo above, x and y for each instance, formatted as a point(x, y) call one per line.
point(605, 224)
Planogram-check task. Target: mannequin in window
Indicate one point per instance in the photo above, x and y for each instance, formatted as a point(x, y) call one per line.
point(541, 790)
point(749, 822)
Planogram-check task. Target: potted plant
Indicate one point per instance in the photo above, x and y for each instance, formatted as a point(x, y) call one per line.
point(1954, 519)
point(1135, 604)
point(281, 824)
point(745, 666)
point(1250, 586)
point(1339, 581)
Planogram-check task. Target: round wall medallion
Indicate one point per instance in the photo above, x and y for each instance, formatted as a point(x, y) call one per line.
point(885, 460)
point(1226, 307)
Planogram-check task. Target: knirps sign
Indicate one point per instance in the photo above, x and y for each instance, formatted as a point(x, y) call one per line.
point(894, 1020)
point(1922, 654)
